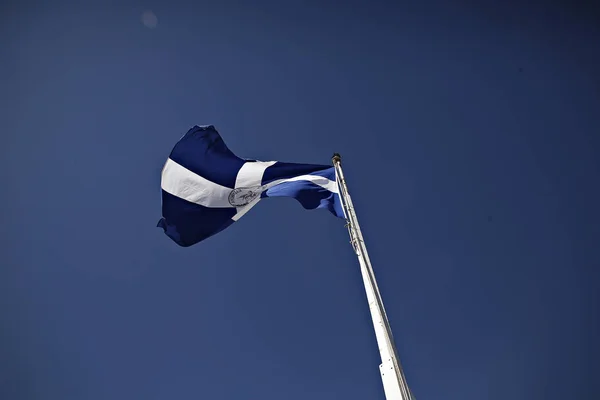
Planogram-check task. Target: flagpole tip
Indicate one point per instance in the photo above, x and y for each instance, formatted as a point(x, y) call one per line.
point(336, 158)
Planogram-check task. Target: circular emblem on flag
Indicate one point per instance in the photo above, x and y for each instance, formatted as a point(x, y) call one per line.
point(243, 196)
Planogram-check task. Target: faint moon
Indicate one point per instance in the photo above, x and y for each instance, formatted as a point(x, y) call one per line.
point(149, 19)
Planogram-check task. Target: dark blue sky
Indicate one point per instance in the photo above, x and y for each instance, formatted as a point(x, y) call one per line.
point(470, 139)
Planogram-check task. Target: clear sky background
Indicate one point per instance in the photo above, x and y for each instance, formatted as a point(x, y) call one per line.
point(470, 137)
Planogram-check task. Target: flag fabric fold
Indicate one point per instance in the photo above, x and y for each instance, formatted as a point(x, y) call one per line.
point(206, 188)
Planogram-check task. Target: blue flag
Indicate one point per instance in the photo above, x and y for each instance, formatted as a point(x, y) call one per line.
point(206, 188)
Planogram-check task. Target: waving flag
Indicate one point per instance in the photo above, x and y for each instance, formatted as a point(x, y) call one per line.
point(206, 188)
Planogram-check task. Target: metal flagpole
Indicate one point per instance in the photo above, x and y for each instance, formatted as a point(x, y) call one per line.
point(392, 376)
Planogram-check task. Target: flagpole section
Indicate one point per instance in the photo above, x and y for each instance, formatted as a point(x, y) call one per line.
point(392, 375)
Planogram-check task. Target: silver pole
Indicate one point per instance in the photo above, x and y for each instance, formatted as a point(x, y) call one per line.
point(392, 376)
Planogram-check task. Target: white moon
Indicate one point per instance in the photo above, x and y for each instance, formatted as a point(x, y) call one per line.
point(149, 19)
